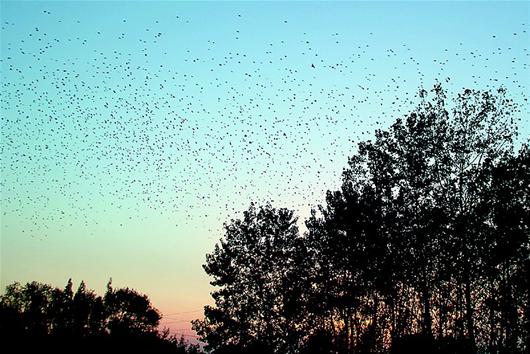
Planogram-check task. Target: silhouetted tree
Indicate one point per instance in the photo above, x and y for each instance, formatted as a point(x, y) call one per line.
point(128, 311)
point(257, 269)
point(39, 317)
point(426, 246)
point(404, 244)
point(506, 206)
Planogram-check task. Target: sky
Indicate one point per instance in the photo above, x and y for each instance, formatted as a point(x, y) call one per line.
point(131, 131)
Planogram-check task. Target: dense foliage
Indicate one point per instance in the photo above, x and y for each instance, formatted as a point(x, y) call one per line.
point(426, 245)
point(38, 317)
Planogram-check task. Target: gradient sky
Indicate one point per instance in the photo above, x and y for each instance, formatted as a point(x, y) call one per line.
point(132, 130)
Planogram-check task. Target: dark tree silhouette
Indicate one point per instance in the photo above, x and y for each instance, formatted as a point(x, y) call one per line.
point(259, 269)
point(128, 311)
point(38, 317)
point(429, 227)
point(424, 247)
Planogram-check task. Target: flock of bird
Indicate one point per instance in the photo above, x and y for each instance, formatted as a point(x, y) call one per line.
point(99, 122)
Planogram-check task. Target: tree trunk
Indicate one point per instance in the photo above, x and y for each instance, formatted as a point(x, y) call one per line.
point(512, 316)
point(442, 316)
point(493, 333)
point(427, 320)
point(459, 311)
point(469, 313)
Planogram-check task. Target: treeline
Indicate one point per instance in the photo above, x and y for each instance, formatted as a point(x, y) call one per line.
point(37, 317)
point(424, 248)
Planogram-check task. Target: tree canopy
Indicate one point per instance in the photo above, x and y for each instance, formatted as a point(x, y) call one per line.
point(39, 317)
point(260, 267)
point(426, 245)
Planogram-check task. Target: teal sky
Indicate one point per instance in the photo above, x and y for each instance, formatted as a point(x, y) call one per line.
point(130, 131)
